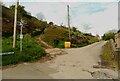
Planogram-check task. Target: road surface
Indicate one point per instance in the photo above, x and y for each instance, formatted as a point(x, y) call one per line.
point(76, 64)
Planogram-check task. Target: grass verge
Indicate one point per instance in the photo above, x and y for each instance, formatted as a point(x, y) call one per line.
point(31, 51)
point(109, 57)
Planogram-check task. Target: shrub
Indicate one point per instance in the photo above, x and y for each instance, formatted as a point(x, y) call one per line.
point(74, 45)
point(108, 36)
point(93, 40)
point(61, 44)
point(82, 44)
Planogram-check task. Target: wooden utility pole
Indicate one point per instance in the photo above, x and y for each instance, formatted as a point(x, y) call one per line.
point(68, 20)
point(15, 24)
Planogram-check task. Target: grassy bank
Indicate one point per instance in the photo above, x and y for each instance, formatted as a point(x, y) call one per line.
point(109, 57)
point(31, 51)
point(60, 34)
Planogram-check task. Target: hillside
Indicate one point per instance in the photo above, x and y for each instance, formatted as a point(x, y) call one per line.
point(48, 32)
point(34, 26)
point(37, 35)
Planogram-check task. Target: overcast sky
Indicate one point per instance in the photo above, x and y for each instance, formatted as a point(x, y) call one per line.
point(100, 16)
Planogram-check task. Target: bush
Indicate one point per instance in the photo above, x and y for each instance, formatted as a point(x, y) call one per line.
point(82, 44)
point(108, 36)
point(61, 44)
point(31, 51)
point(74, 45)
point(93, 40)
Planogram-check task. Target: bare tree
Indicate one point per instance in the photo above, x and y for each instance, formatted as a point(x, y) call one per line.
point(87, 27)
point(40, 16)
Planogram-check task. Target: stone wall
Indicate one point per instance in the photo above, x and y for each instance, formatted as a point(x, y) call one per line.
point(117, 40)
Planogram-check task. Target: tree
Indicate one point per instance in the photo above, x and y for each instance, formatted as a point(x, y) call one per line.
point(74, 29)
point(21, 10)
point(50, 23)
point(40, 16)
point(86, 27)
point(108, 36)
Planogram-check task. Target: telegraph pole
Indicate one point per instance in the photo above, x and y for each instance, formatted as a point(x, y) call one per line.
point(15, 24)
point(68, 20)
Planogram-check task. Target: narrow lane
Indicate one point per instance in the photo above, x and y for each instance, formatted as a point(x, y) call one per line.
point(79, 62)
point(76, 64)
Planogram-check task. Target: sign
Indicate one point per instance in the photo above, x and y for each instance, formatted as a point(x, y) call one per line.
point(7, 53)
point(21, 36)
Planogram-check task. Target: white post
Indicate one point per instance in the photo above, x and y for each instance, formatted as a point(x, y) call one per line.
point(21, 35)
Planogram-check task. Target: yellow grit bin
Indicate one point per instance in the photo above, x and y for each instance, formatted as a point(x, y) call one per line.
point(67, 44)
